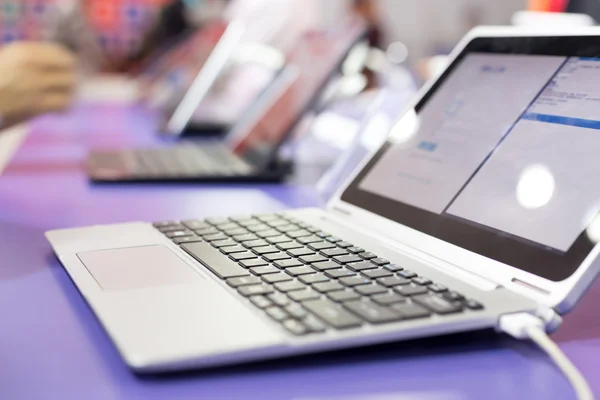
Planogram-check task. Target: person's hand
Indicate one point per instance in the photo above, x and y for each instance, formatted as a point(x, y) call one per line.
point(35, 78)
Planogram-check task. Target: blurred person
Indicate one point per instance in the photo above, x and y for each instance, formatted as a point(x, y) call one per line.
point(35, 78)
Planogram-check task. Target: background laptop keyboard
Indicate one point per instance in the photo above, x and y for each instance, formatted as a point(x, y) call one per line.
point(308, 280)
point(186, 160)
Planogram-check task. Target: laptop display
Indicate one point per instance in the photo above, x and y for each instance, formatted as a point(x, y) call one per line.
point(317, 57)
point(501, 156)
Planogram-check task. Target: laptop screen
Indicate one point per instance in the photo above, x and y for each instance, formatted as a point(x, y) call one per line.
point(317, 57)
point(501, 156)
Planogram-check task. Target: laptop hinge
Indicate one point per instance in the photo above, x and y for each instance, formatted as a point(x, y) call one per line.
point(474, 279)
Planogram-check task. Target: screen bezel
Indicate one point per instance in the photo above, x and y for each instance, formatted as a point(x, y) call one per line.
point(531, 258)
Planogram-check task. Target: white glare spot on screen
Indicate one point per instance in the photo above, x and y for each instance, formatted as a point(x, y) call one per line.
point(397, 52)
point(591, 223)
point(405, 128)
point(536, 187)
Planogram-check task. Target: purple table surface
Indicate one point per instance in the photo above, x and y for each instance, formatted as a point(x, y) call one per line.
point(52, 347)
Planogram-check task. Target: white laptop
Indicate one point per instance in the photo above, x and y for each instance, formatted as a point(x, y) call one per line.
point(483, 202)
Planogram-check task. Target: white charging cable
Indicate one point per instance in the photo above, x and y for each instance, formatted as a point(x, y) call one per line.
point(527, 326)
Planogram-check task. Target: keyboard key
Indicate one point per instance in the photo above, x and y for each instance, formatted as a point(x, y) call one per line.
point(214, 237)
point(256, 262)
point(313, 324)
point(247, 255)
point(370, 290)
point(354, 281)
point(325, 287)
point(421, 280)
point(372, 312)
point(235, 231)
point(334, 252)
point(473, 305)
point(388, 298)
point(289, 246)
point(312, 259)
point(212, 259)
point(188, 239)
point(322, 234)
point(321, 245)
point(339, 273)
point(367, 256)
point(249, 222)
point(265, 250)
point(410, 290)
point(437, 304)
point(332, 314)
point(393, 267)
point(256, 243)
point(287, 228)
point(309, 239)
point(243, 281)
point(258, 228)
point(453, 296)
point(276, 256)
point(266, 217)
point(267, 234)
point(298, 233)
point(260, 301)
point(248, 237)
point(411, 310)
point(287, 263)
point(313, 278)
point(269, 269)
point(290, 286)
point(347, 259)
point(276, 313)
point(380, 261)
point(171, 228)
point(437, 288)
point(304, 295)
point(279, 299)
point(224, 243)
point(253, 290)
point(275, 278)
point(333, 239)
point(178, 234)
point(344, 244)
point(355, 250)
point(194, 224)
point(407, 274)
point(361, 266)
point(233, 249)
point(343, 295)
point(311, 229)
point(393, 281)
point(302, 251)
point(217, 221)
point(228, 226)
point(303, 270)
point(377, 273)
point(295, 327)
point(241, 218)
point(162, 224)
point(325, 265)
point(295, 310)
point(278, 239)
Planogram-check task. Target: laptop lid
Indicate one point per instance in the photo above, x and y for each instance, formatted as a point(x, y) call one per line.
point(494, 168)
point(315, 60)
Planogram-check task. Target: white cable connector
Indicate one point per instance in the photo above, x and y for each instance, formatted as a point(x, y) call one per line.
point(528, 326)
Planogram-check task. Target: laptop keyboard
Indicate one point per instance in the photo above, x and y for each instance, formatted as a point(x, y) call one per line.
point(188, 160)
point(308, 280)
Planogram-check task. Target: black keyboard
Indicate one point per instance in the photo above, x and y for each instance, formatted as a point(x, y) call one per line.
point(308, 280)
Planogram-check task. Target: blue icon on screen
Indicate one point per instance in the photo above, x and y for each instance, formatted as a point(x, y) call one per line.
point(427, 146)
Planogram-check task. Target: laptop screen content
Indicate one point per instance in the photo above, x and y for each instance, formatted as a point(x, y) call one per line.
point(501, 157)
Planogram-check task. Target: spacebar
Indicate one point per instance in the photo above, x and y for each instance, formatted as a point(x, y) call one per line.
point(214, 260)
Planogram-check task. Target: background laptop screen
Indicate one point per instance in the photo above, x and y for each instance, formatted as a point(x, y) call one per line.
point(502, 157)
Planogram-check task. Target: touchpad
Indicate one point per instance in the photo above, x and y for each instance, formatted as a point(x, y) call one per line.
point(137, 268)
